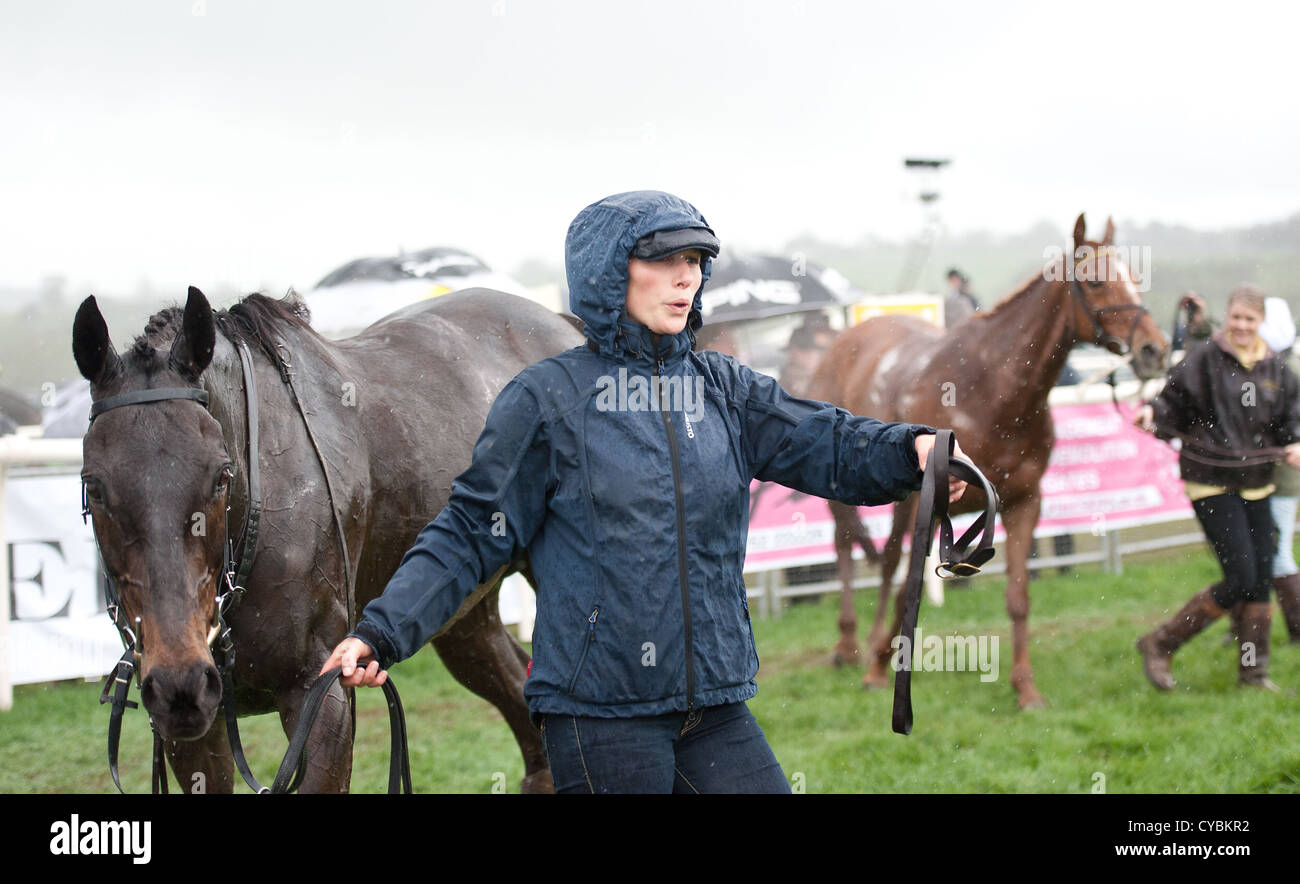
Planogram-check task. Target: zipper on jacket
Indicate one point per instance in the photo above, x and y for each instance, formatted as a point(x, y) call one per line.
point(591, 635)
point(681, 545)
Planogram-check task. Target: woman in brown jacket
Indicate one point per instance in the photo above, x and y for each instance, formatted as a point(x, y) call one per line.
point(1228, 399)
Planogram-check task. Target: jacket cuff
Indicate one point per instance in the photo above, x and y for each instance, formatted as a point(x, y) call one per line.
point(383, 649)
point(919, 430)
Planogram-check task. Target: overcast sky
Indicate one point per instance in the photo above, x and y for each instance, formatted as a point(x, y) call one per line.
point(262, 144)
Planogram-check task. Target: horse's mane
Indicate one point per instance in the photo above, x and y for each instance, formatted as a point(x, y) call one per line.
point(1034, 278)
point(1024, 287)
point(255, 320)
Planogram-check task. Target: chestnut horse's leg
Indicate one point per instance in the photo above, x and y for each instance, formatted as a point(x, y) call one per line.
point(846, 649)
point(484, 657)
point(205, 765)
point(1019, 520)
point(329, 746)
point(879, 643)
point(848, 531)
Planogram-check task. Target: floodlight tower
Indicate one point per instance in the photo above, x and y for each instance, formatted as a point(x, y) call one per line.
point(918, 251)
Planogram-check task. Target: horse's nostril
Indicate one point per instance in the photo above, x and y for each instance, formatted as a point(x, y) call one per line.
point(213, 686)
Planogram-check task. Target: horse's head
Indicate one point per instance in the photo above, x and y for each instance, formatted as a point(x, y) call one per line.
point(157, 478)
point(1108, 305)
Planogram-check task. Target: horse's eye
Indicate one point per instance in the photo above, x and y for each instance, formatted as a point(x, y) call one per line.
point(223, 480)
point(94, 492)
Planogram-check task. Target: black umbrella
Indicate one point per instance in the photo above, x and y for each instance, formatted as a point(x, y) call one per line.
point(746, 287)
point(436, 263)
point(364, 290)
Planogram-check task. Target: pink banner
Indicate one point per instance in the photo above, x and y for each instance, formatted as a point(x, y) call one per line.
point(1104, 474)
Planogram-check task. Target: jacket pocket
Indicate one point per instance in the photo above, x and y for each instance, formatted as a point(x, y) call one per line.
point(586, 648)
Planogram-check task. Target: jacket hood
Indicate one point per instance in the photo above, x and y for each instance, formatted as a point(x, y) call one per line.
point(596, 252)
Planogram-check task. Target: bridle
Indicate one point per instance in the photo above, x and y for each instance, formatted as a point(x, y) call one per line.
point(234, 577)
point(1101, 337)
point(231, 586)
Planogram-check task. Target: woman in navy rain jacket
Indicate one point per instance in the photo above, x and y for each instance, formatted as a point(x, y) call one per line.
point(623, 469)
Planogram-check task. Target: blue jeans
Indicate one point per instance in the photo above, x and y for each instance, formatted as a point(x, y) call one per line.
point(1284, 509)
point(719, 749)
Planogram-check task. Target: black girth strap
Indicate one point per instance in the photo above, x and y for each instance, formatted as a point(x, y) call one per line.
point(956, 559)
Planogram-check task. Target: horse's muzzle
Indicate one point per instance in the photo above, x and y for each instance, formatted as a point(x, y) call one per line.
point(182, 700)
point(1150, 361)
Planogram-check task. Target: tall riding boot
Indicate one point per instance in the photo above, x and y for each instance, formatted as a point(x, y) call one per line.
point(1288, 599)
point(1157, 646)
point(1234, 626)
point(1256, 621)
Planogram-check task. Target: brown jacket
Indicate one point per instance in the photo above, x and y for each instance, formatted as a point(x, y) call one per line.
point(1212, 399)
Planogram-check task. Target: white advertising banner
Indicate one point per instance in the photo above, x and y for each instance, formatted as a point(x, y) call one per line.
point(58, 627)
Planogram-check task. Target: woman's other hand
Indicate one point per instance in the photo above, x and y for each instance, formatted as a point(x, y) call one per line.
point(1145, 419)
point(1293, 455)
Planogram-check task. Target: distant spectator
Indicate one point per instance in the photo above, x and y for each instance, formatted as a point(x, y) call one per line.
point(722, 338)
point(959, 303)
point(807, 345)
point(1190, 321)
point(1278, 331)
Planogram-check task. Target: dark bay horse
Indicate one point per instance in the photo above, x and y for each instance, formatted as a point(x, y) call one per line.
point(360, 440)
point(988, 379)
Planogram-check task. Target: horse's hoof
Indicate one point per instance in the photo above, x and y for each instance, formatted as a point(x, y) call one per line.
point(538, 783)
point(873, 681)
point(1031, 702)
point(840, 660)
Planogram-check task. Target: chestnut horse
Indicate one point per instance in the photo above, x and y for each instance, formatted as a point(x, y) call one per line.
point(359, 442)
point(988, 379)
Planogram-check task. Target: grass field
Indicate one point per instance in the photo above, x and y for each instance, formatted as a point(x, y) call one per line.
point(1104, 726)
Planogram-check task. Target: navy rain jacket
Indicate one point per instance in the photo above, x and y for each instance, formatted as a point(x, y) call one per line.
point(634, 519)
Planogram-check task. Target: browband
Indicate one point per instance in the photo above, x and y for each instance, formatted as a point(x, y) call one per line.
point(140, 396)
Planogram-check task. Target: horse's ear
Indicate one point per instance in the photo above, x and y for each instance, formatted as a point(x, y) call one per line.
point(1080, 229)
point(192, 348)
point(1109, 238)
point(90, 344)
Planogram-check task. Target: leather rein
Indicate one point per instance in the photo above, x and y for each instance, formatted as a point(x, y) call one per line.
point(961, 558)
point(1217, 456)
point(233, 579)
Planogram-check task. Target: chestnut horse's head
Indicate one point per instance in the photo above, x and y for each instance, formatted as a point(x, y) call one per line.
point(157, 477)
point(1108, 304)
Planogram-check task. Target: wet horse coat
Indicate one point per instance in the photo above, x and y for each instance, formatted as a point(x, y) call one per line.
point(392, 414)
point(987, 379)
